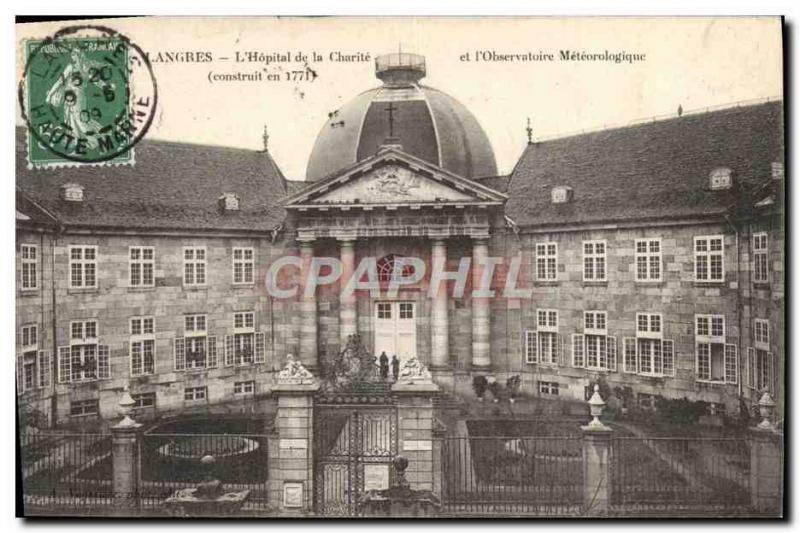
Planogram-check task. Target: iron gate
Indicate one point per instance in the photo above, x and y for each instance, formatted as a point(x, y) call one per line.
point(354, 445)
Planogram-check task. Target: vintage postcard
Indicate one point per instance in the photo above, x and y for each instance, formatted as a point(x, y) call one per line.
point(400, 267)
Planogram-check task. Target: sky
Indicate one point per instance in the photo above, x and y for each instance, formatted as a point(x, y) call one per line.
point(692, 62)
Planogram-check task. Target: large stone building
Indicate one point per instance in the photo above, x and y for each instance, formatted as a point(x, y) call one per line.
point(652, 256)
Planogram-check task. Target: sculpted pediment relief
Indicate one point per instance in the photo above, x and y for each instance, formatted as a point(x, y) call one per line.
point(392, 184)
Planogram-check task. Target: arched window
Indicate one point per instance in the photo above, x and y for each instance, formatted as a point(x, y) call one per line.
point(386, 266)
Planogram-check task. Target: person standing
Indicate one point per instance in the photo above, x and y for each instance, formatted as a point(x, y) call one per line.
point(384, 362)
point(395, 367)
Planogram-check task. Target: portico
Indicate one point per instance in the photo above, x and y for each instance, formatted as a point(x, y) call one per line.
point(394, 205)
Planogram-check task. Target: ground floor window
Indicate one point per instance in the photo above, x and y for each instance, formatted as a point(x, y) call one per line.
point(761, 369)
point(595, 352)
point(716, 362)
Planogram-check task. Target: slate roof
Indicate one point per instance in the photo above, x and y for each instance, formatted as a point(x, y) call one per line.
point(652, 170)
point(172, 186)
point(498, 183)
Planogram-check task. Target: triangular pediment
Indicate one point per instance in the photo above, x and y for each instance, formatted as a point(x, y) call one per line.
point(393, 178)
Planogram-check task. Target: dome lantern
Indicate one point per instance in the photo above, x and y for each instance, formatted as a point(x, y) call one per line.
point(400, 69)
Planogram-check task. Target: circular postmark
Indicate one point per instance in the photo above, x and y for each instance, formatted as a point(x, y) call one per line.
point(87, 94)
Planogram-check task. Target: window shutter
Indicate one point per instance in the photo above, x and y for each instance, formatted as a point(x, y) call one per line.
point(668, 353)
point(531, 347)
point(577, 350)
point(751, 368)
point(260, 342)
point(179, 346)
point(562, 360)
point(229, 350)
point(611, 343)
point(44, 368)
point(629, 361)
point(211, 358)
point(103, 363)
point(20, 376)
point(731, 363)
point(64, 364)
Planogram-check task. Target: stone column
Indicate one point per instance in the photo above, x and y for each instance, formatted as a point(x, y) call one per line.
point(307, 309)
point(440, 338)
point(125, 465)
point(348, 317)
point(292, 468)
point(596, 460)
point(480, 308)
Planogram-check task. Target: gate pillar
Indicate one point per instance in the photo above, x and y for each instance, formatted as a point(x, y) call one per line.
point(292, 467)
point(415, 390)
point(766, 462)
point(596, 460)
point(125, 459)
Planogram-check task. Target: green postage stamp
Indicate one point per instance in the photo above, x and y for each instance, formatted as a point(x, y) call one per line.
point(87, 95)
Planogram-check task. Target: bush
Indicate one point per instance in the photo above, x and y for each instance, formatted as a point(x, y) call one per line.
point(682, 411)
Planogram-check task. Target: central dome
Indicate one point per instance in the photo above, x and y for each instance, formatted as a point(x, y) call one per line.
point(428, 124)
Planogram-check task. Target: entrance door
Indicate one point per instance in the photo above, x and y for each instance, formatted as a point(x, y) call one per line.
point(396, 329)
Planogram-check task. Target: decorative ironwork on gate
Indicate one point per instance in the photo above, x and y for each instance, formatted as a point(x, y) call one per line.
point(352, 433)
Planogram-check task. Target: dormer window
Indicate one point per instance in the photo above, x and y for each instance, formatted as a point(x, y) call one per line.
point(720, 178)
point(561, 194)
point(72, 192)
point(229, 202)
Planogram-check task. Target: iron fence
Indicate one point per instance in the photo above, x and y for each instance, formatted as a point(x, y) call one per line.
point(67, 471)
point(659, 473)
point(512, 476)
point(171, 461)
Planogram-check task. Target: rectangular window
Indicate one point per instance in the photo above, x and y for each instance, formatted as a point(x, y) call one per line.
point(546, 258)
point(194, 393)
point(83, 407)
point(30, 262)
point(594, 348)
point(531, 347)
point(195, 342)
point(143, 400)
point(549, 388)
point(142, 345)
point(194, 266)
point(240, 347)
point(243, 265)
point(594, 261)
point(30, 367)
point(385, 310)
point(761, 368)
point(761, 334)
point(648, 259)
point(82, 267)
point(709, 258)
point(716, 361)
point(244, 387)
point(760, 258)
point(405, 310)
point(84, 359)
point(141, 266)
